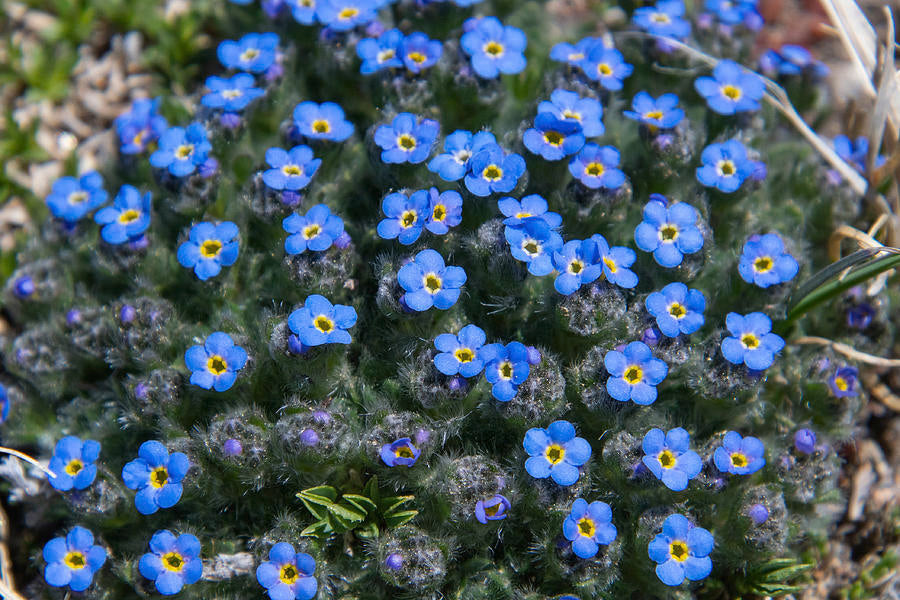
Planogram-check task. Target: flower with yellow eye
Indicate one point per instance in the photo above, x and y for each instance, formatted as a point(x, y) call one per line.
point(677, 309)
point(607, 67)
point(156, 475)
point(209, 248)
point(491, 169)
point(553, 138)
point(444, 211)
point(731, 89)
point(323, 121)
point(419, 52)
point(127, 219)
point(404, 216)
point(555, 452)
point(726, 166)
point(172, 562)
point(569, 106)
point(588, 526)
point(288, 574)
point(597, 167)
point(634, 374)
point(681, 551)
point(669, 457)
point(407, 139)
point(665, 19)
point(658, 113)
point(740, 455)
point(533, 242)
point(215, 364)
point(844, 382)
point(254, 53)
point(532, 205)
point(380, 53)
point(493, 47)
point(428, 282)
point(73, 560)
point(752, 342)
point(290, 170)
point(505, 368)
point(492, 509)
point(669, 231)
point(317, 230)
point(181, 150)
point(321, 322)
point(578, 262)
point(400, 453)
point(459, 147)
point(459, 353)
point(71, 199)
point(344, 15)
point(73, 463)
point(764, 261)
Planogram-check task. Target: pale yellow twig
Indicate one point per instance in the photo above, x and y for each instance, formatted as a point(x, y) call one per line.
point(28, 459)
point(849, 351)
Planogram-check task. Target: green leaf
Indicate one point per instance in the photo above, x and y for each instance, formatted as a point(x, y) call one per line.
point(320, 528)
point(400, 518)
point(367, 531)
point(786, 573)
point(317, 511)
point(371, 489)
point(347, 512)
point(325, 491)
point(392, 503)
point(361, 502)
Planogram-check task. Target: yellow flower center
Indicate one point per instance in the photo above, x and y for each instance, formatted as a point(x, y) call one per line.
point(408, 219)
point(77, 197)
point(348, 13)
point(575, 267)
point(184, 151)
point(74, 467)
point(654, 115)
point(610, 264)
point(679, 551)
point(464, 355)
point(633, 375)
point(604, 69)
point(586, 527)
point(731, 92)
point(432, 283)
point(323, 324)
point(249, 54)
point(594, 169)
point(668, 232)
point(726, 168)
point(492, 510)
point(406, 142)
point(494, 49)
point(289, 574)
point(575, 56)
point(311, 231)
point(531, 247)
point(763, 264)
point(661, 17)
point(571, 115)
point(416, 57)
point(232, 94)
point(666, 459)
point(506, 370)
point(173, 561)
point(677, 310)
point(386, 55)
point(210, 248)
point(554, 138)
point(739, 459)
point(404, 452)
point(159, 476)
point(439, 213)
point(523, 215)
point(321, 126)
point(129, 216)
point(216, 364)
point(75, 560)
point(554, 454)
point(138, 140)
point(292, 170)
point(841, 384)
point(492, 173)
point(749, 341)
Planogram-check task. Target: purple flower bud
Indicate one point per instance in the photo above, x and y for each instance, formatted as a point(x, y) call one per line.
point(127, 314)
point(291, 198)
point(141, 391)
point(208, 168)
point(394, 561)
point(73, 317)
point(422, 436)
point(760, 171)
point(308, 437)
point(753, 21)
point(272, 8)
point(404, 306)
point(704, 21)
point(759, 513)
point(230, 120)
point(457, 384)
point(651, 336)
point(534, 355)
point(860, 317)
point(805, 441)
point(663, 141)
point(138, 243)
point(375, 28)
point(24, 286)
point(232, 447)
point(295, 346)
point(343, 240)
point(275, 71)
point(659, 198)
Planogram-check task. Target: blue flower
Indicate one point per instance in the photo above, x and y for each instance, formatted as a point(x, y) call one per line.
point(856, 153)
point(459, 353)
point(418, 52)
point(805, 441)
point(731, 12)
point(759, 513)
point(405, 216)
point(72, 199)
point(752, 342)
point(493, 170)
point(288, 575)
point(532, 205)
point(316, 230)
point(616, 260)
point(344, 15)
point(322, 121)
point(555, 452)
point(661, 113)
point(492, 509)
point(569, 106)
point(444, 211)
point(553, 138)
point(595, 167)
point(494, 48)
point(156, 476)
point(232, 94)
point(303, 11)
point(459, 147)
point(428, 282)
point(725, 166)
point(209, 248)
point(764, 261)
point(215, 364)
point(73, 560)
point(505, 368)
point(379, 53)
point(669, 457)
point(681, 551)
point(669, 232)
point(127, 219)
point(589, 525)
point(73, 463)
point(606, 66)
point(677, 309)
point(182, 150)
point(791, 60)
point(574, 54)
point(4, 404)
point(291, 170)
point(665, 19)
point(843, 383)
point(534, 243)
point(400, 453)
point(731, 89)
point(634, 374)
point(407, 139)
point(139, 126)
point(254, 53)
point(739, 455)
point(578, 262)
point(172, 562)
point(320, 322)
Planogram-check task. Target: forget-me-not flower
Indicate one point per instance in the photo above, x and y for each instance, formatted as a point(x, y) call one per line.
point(172, 562)
point(380, 53)
point(553, 138)
point(607, 67)
point(322, 121)
point(400, 453)
point(344, 15)
point(569, 106)
point(844, 382)
point(588, 526)
point(725, 166)
point(459, 353)
point(616, 262)
point(494, 48)
point(139, 126)
point(319, 322)
point(73, 560)
point(681, 551)
point(677, 309)
point(655, 113)
point(534, 242)
point(290, 170)
point(765, 263)
point(459, 147)
point(407, 139)
point(127, 219)
point(505, 368)
point(231, 94)
point(181, 150)
point(740, 455)
point(73, 463)
point(665, 19)
point(669, 457)
point(316, 230)
point(254, 52)
point(634, 374)
point(669, 232)
point(578, 262)
point(288, 575)
point(597, 167)
point(731, 89)
point(555, 452)
point(493, 170)
point(156, 475)
point(428, 282)
point(72, 199)
point(404, 216)
point(752, 342)
point(444, 211)
point(208, 248)
point(532, 205)
point(215, 363)
point(419, 52)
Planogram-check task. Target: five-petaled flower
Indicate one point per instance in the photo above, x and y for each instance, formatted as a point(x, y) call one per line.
point(419, 52)
point(215, 364)
point(607, 67)
point(574, 54)
point(532, 205)
point(534, 242)
point(404, 216)
point(444, 211)
point(494, 48)
point(73, 463)
point(172, 562)
point(578, 262)
point(344, 15)
point(669, 457)
point(459, 353)
point(181, 150)
point(400, 452)
point(127, 219)
point(379, 53)
point(156, 475)
point(459, 147)
point(752, 342)
point(428, 282)
point(844, 381)
point(505, 368)
point(677, 309)
point(209, 248)
point(232, 94)
point(726, 166)
point(739, 455)
point(288, 575)
point(254, 52)
point(555, 452)
point(73, 560)
point(72, 199)
point(731, 89)
point(290, 170)
point(669, 232)
point(681, 551)
point(765, 263)
point(616, 262)
point(589, 525)
point(665, 19)
point(407, 139)
point(492, 509)
point(316, 230)
point(493, 170)
point(634, 373)
point(139, 126)
point(659, 113)
point(319, 322)
point(569, 106)
point(553, 138)
point(322, 121)
point(597, 167)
